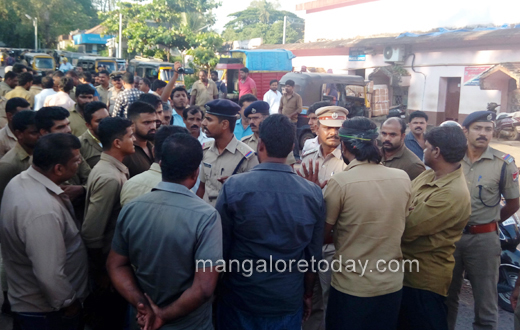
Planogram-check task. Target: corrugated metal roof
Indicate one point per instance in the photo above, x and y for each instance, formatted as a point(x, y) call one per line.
point(499, 36)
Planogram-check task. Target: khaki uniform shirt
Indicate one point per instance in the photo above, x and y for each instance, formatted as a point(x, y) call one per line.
point(405, 160)
point(4, 88)
point(252, 142)
point(441, 210)
point(7, 140)
point(78, 125)
point(368, 205)
point(81, 176)
point(202, 93)
point(44, 257)
point(290, 104)
point(139, 161)
point(215, 165)
point(19, 91)
point(102, 204)
point(3, 116)
point(103, 94)
point(485, 172)
point(112, 97)
point(13, 163)
point(331, 164)
point(35, 89)
point(141, 184)
point(72, 94)
point(90, 148)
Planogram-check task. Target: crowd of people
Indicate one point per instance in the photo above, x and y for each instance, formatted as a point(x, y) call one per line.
point(132, 204)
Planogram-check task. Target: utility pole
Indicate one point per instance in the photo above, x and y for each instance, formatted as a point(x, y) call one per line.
point(284, 27)
point(120, 44)
point(35, 24)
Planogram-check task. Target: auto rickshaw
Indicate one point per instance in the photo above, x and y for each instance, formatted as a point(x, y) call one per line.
point(94, 64)
point(154, 69)
point(40, 62)
point(312, 87)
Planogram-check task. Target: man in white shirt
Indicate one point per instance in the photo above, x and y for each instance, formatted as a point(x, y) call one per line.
point(65, 65)
point(62, 98)
point(273, 96)
point(48, 90)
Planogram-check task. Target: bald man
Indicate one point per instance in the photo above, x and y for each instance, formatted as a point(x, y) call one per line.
point(395, 153)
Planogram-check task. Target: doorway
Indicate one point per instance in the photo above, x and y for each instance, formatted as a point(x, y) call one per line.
point(451, 108)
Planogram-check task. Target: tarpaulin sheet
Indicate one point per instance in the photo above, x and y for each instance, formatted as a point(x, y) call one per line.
point(268, 59)
point(443, 31)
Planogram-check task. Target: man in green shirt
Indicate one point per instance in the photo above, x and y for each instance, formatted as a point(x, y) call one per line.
point(440, 209)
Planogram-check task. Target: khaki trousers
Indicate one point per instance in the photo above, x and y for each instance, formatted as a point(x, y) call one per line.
point(479, 257)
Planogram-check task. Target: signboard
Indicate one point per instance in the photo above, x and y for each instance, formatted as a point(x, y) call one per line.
point(356, 55)
point(472, 74)
point(96, 39)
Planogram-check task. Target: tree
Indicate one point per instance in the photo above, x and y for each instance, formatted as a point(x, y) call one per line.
point(204, 56)
point(162, 25)
point(55, 17)
point(262, 20)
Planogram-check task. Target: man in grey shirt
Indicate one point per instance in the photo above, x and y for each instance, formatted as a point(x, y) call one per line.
point(44, 256)
point(167, 244)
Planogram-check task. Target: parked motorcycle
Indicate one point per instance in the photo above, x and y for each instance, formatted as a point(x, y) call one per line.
point(509, 235)
point(507, 125)
point(398, 111)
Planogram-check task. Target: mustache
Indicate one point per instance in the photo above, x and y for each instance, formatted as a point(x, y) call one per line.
point(335, 137)
point(482, 139)
point(252, 125)
point(195, 126)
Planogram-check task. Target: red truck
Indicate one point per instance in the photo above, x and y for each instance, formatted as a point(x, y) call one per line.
point(263, 65)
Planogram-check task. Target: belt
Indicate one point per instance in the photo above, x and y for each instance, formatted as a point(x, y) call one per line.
point(480, 229)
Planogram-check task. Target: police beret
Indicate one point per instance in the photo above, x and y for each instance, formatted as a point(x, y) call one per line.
point(224, 108)
point(483, 116)
point(257, 107)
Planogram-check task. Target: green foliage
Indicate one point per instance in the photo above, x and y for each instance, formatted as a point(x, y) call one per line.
point(164, 25)
point(55, 17)
point(189, 80)
point(203, 57)
point(71, 48)
point(262, 20)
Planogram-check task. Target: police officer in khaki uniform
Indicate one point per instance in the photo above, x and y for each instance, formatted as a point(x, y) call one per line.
point(328, 154)
point(257, 112)
point(319, 165)
point(225, 155)
point(489, 174)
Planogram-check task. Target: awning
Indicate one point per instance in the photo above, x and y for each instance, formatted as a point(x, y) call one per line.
point(497, 75)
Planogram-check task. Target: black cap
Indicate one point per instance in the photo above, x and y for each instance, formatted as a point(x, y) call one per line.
point(257, 107)
point(224, 108)
point(481, 116)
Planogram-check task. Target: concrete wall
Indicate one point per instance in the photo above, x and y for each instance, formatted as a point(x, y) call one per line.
point(397, 16)
point(429, 95)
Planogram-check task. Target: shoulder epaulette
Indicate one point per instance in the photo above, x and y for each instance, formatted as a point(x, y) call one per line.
point(310, 152)
point(507, 158)
point(245, 138)
point(207, 145)
point(245, 150)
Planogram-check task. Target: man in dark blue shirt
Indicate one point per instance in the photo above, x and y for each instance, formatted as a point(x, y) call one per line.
point(414, 140)
point(272, 222)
